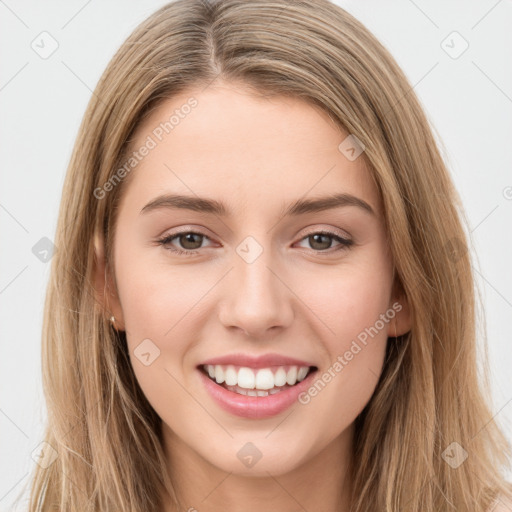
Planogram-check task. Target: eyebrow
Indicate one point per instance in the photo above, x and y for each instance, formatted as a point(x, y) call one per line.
point(299, 207)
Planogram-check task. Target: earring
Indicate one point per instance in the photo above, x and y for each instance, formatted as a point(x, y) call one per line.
point(113, 321)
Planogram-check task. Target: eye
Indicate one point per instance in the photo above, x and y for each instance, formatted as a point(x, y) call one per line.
point(319, 241)
point(191, 242)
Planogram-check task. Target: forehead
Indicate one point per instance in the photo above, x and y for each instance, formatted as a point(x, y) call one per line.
point(226, 143)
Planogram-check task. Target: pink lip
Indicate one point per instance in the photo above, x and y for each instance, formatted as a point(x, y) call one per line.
point(255, 407)
point(263, 361)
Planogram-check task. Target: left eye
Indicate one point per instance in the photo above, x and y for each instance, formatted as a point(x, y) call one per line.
point(188, 238)
point(191, 241)
point(316, 238)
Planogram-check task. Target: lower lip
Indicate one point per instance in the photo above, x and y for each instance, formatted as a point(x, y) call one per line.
point(255, 407)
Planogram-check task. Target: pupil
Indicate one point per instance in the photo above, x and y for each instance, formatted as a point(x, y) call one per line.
point(189, 240)
point(326, 244)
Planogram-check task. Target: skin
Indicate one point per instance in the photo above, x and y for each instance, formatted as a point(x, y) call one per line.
point(298, 298)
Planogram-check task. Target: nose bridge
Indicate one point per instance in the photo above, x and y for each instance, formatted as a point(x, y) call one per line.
point(255, 299)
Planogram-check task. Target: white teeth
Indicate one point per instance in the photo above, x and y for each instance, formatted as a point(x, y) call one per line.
point(291, 376)
point(231, 376)
point(238, 390)
point(265, 379)
point(246, 378)
point(280, 377)
point(261, 380)
point(301, 374)
point(219, 374)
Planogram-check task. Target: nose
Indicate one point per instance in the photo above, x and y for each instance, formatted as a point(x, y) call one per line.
point(255, 298)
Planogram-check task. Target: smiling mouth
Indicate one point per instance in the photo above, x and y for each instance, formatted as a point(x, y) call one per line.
point(259, 382)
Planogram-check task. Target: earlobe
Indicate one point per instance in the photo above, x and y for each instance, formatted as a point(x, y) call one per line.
point(104, 288)
point(402, 322)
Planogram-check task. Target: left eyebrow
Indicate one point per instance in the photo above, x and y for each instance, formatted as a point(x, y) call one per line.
point(299, 207)
point(319, 204)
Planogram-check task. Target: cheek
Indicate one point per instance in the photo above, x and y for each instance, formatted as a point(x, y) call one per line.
point(353, 303)
point(348, 298)
point(156, 297)
point(160, 307)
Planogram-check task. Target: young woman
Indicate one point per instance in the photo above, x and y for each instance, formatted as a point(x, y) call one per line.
point(263, 297)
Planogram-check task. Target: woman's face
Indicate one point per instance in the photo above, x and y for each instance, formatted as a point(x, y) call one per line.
point(258, 279)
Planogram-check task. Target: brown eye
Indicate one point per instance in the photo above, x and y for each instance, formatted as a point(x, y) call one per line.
point(188, 242)
point(322, 241)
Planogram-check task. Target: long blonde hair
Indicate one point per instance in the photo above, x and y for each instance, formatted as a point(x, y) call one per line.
point(104, 433)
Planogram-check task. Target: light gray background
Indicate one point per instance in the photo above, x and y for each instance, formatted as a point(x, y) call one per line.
point(468, 100)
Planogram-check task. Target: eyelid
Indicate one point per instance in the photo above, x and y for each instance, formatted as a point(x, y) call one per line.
point(310, 231)
point(190, 228)
point(344, 242)
point(166, 238)
point(329, 230)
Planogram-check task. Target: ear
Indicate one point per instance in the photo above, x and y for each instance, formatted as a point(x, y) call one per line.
point(104, 285)
point(402, 322)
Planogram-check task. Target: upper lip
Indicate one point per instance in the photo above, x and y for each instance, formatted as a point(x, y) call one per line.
point(262, 361)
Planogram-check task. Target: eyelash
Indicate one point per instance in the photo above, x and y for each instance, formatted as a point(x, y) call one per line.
point(344, 242)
